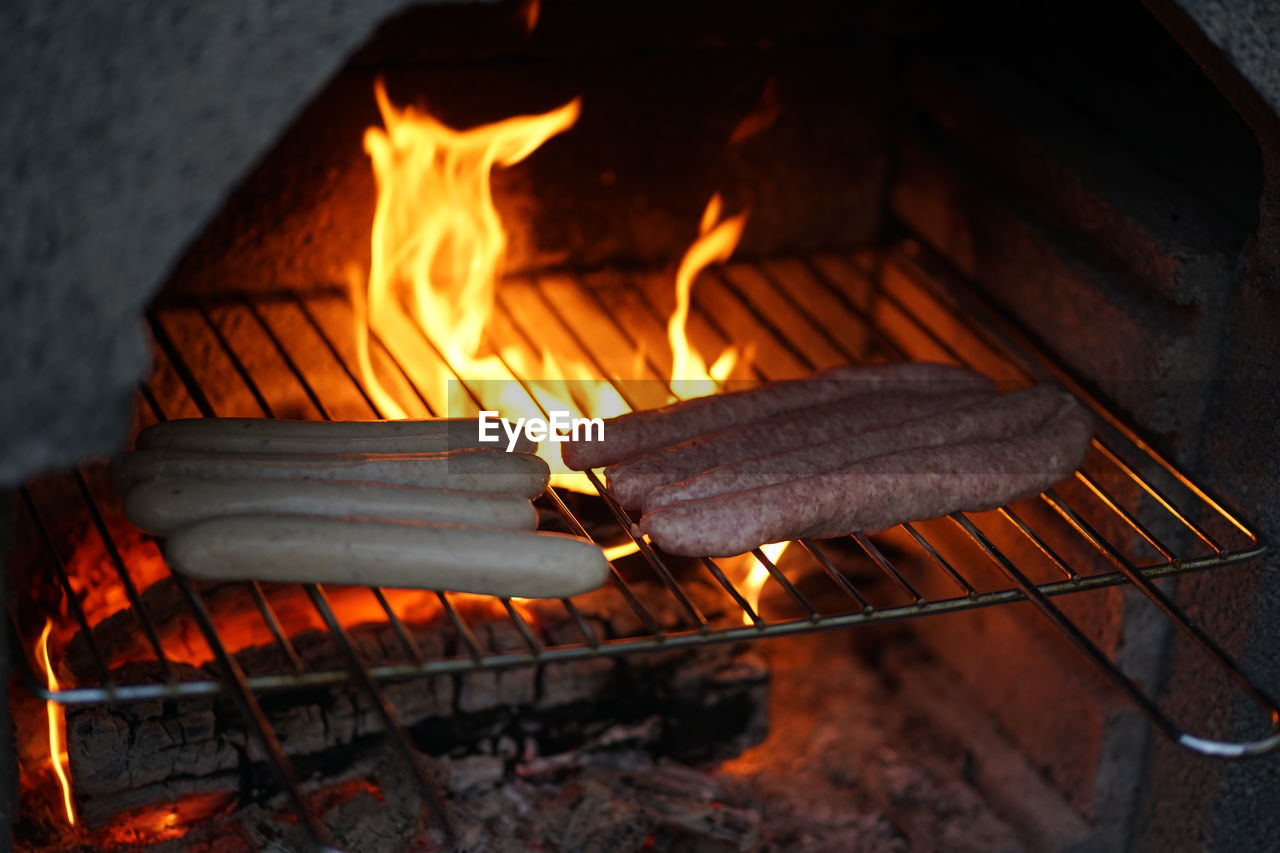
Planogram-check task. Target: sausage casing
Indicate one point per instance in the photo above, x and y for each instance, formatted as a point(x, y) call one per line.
point(162, 506)
point(877, 493)
point(303, 549)
point(269, 435)
point(461, 470)
point(990, 419)
point(633, 480)
point(639, 432)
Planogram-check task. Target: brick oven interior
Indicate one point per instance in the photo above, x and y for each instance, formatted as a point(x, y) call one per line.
point(1092, 185)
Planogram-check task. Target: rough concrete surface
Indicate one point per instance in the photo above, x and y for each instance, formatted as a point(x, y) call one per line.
point(1247, 35)
point(124, 125)
point(1198, 803)
point(1128, 210)
point(999, 210)
point(1150, 358)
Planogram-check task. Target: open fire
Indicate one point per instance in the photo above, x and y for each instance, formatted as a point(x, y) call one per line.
point(57, 724)
point(438, 250)
point(438, 253)
point(435, 334)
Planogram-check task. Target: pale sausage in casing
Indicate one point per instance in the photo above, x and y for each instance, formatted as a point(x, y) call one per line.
point(301, 549)
point(165, 505)
point(269, 435)
point(463, 470)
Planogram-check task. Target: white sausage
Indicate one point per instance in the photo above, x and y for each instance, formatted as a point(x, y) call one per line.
point(302, 549)
point(163, 506)
point(264, 435)
point(462, 470)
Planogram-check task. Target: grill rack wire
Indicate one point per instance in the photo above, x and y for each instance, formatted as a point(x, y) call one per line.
point(905, 304)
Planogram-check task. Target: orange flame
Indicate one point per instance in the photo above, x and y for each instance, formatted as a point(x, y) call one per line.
point(57, 724)
point(761, 117)
point(529, 11)
point(757, 574)
point(438, 247)
point(690, 376)
point(438, 243)
point(437, 254)
point(716, 241)
point(436, 226)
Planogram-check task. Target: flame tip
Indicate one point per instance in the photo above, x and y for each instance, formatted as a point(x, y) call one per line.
point(717, 239)
point(57, 724)
point(438, 251)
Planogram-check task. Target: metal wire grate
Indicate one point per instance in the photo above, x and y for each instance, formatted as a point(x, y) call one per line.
point(1128, 517)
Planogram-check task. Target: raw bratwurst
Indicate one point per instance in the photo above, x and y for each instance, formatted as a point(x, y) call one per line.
point(635, 479)
point(634, 433)
point(992, 418)
point(269, 435)
point(878, 493)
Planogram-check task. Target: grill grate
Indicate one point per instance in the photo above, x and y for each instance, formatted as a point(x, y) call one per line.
point(1128, 517)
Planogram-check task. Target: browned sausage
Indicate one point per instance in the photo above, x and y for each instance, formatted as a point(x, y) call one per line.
point(878, 493)
point(633, 480)
point(638, 432)
point(989, 419)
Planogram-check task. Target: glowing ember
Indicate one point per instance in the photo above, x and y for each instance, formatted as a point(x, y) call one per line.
point(147, 826)
point(57, 724)
point(92, 573)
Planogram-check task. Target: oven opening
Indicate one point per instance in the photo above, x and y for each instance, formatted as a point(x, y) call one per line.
point(535, 209)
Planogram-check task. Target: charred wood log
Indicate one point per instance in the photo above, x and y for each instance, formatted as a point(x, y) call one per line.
point(121, 638)
point(597, 804)
point(700, 704)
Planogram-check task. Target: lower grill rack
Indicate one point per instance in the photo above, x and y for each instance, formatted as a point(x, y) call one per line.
point(1128, 517)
